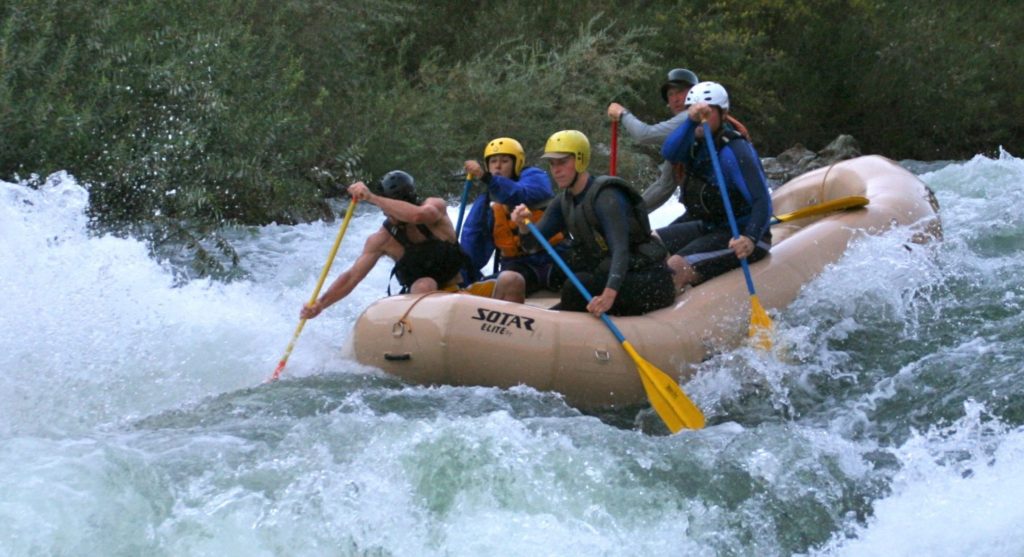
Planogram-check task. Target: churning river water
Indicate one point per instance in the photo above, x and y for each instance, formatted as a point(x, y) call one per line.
point(134, 417)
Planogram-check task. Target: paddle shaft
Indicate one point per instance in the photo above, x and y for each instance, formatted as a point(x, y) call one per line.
point(572, 276)
point(462, 205)
point(614, 163)
point(316, 291)
point(710, 140)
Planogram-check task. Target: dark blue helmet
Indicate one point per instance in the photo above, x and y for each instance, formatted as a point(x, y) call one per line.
point(398, 184)
point(679, 77)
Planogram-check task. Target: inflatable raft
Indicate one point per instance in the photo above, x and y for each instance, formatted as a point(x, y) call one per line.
point(461, 339)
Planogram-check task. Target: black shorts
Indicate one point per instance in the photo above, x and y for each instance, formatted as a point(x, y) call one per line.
point(707, 252)
point(539, 275)
point(642, 291)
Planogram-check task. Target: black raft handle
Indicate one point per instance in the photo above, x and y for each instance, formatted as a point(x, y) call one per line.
point(397, 357)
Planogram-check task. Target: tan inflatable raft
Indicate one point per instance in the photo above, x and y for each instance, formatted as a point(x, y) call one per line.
point(460, 339)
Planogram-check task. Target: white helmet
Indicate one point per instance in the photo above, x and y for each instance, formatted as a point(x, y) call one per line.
point(708, 92)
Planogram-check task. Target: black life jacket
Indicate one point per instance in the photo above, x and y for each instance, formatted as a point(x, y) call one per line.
point(702, 198)
point(588, 248)
point(433, 257)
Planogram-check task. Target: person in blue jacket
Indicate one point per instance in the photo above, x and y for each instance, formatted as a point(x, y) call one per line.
point(701, 241)
point(488, 230)
point(673, 91)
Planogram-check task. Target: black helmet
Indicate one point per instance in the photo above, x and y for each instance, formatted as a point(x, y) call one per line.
point(398, 184)
point(678, 76)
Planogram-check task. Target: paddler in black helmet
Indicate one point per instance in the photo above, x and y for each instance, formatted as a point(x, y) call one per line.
point(418, 236)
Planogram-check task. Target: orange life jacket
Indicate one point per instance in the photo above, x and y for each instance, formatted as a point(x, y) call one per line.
point(738, 126)
point(506, 232)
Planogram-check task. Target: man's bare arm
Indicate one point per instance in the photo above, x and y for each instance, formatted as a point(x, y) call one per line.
point(351, 277)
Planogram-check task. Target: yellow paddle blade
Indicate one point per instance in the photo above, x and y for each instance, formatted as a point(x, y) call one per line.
point(760, 325)
point(668, 400)
point(840, 204)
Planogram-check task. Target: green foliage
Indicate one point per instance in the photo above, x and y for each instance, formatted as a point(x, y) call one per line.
point(190, 117)
point(948, 76)
point(512, 88)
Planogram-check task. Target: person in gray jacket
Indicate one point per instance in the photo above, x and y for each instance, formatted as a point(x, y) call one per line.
point(673, 92)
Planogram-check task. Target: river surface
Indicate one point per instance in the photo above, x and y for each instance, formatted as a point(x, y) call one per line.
point(135, 419)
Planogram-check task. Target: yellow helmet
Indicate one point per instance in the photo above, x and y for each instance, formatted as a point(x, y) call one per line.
point(506, 146)
point(569, 142)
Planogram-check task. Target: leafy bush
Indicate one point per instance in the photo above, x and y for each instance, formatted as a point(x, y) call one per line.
point(186, 119)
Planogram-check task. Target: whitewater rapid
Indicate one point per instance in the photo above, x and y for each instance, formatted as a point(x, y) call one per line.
point(136, 420)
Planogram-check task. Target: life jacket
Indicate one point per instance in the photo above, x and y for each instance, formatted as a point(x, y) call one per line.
point(679, 170)
point(506, 232)
point(589, 250)
point(433, 257)
point(703, 199)
point(738, 126)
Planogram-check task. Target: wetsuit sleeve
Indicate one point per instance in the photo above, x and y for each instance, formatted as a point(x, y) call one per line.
point(613, 216)
point(742, 169)
point(532, 187)
point(651, 134)
point(677, 145)
point(662, 189)
point(476, 239)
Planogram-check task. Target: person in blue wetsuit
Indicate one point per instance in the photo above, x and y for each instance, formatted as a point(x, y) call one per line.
point(701, 241)
point(609, 243)
point(487, 230)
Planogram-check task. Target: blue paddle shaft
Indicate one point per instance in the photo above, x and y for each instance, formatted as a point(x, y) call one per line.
point(572, 276)
point(710, 140)
point(462, 207)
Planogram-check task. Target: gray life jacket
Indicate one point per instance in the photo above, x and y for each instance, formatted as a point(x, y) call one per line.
point(588, 248)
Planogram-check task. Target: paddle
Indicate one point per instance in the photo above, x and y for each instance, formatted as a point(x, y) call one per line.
point(668, 400)
point(843, 203)
point(613, 164)
point(462, 205)
point(760, 323)
point(316, 291)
